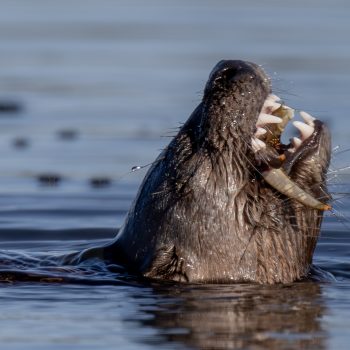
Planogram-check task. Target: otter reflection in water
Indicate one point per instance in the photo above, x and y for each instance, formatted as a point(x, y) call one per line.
point(241, 316)
point(226, 201)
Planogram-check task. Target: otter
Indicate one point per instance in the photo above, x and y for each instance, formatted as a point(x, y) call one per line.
point(227, 201)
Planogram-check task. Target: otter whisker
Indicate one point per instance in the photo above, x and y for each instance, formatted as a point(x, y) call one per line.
point(341, 218)
point(209, 192)
point(324, 197)
point(344, 194)
point(338, 170)
point(293, 187)
point(337, 151)
point(277, 179)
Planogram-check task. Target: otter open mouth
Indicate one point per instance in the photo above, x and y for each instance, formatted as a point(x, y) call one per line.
point(273, 158)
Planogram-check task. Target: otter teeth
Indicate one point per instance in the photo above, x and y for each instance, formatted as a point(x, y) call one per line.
point(309, 119)
point(270, 106)
point(273, 98)
point(268, 119)
point(296, 142)
point(305, 129)
point(257, 144)
point(260, 132)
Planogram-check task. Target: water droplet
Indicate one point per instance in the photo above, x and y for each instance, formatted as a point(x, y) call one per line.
point(135, 168)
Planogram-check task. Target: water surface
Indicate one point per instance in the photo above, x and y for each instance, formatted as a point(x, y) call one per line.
point(102, 85)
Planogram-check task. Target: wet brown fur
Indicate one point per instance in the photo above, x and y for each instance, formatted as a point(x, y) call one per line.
point(204, 213)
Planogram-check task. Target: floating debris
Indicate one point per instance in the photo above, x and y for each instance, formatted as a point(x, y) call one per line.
point(99, 182)
point(10, 106)
point(49, 179)
point(20, 143)
point(67, 134)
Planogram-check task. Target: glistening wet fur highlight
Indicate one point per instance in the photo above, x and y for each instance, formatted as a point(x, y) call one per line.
point(204, 212)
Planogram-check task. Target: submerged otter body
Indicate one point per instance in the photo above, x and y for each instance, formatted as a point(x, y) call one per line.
point(204, 212)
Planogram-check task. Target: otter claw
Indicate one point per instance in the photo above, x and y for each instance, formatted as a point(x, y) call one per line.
point(282, 183)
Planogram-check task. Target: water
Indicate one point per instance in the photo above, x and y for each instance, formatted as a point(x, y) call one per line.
point(102, 84)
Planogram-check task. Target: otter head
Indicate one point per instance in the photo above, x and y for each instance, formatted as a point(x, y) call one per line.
point(239, 109)
point(233, 98)
point(227, 201)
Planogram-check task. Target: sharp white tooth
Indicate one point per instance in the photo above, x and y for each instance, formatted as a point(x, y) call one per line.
point(260, 131)
point(262, 144)
point(307, 118)
point(257, 144)
point(273, 98)
point(296, 142)
point(305, 130)
point(270, 106)
point(268, 119)
point(287, 107)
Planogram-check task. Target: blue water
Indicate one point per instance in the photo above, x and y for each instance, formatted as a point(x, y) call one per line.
point(121, 76)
